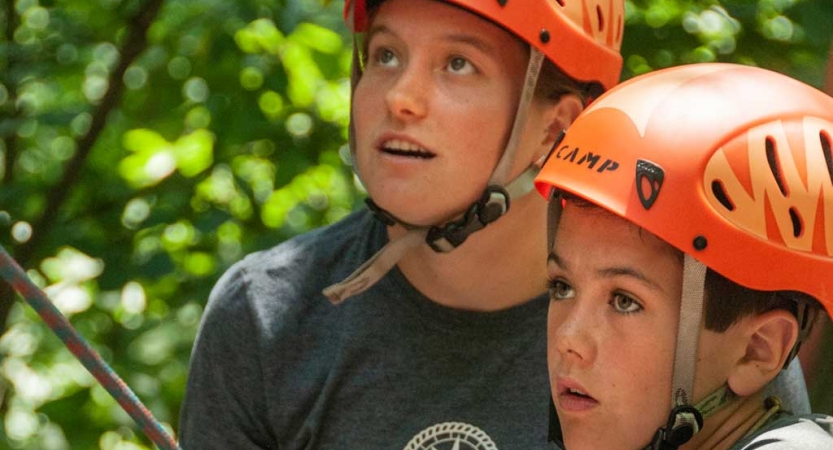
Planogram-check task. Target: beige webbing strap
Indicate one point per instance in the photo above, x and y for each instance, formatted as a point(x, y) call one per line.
point(553, 217)
point(501, 172)
point(688, 331)
point(376, 267)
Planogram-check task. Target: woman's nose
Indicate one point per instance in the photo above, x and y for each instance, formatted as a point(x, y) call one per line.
point(407, 98)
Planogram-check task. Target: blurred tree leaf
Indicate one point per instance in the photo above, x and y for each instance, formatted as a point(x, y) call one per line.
point(136, 168)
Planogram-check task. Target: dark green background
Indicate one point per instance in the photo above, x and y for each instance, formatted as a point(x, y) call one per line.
point(146, 145)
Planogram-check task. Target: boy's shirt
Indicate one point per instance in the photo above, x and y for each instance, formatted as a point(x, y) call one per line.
point(789, 432)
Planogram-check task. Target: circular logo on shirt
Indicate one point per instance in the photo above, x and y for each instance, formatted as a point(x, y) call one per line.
point(452, 436)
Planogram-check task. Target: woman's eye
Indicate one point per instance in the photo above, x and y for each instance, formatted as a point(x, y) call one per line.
point(385, 57)
point(560, 290)
point(461, 65)
point(624, 304)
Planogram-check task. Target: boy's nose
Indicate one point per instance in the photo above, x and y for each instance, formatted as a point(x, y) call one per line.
point(569, 330)
point(407, 97)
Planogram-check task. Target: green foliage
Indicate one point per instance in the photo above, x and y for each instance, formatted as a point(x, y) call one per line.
point(127, 191)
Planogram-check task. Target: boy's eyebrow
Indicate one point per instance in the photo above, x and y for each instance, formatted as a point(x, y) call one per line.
point(610, 272)
point(629, 272)
point(468, 39)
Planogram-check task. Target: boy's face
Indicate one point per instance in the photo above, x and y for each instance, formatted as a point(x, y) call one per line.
point(434, 107)
point(615, 294)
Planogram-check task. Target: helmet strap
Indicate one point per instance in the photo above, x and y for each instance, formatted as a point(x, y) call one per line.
point(806, 316)
point(492, 205)
point(688, 330)
point(685, 420)
point(504, 165)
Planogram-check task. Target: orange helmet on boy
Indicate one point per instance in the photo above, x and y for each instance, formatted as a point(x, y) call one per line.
point(743, 182)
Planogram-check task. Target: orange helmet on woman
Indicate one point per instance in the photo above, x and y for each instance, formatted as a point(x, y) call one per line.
point(582, 37)
point(730, 164)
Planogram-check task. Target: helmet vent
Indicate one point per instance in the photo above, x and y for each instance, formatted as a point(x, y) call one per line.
point(601, 17)
point(720, 195)
point(772, 159)
point(798, 227)
point(560, 2)
point(828, 155)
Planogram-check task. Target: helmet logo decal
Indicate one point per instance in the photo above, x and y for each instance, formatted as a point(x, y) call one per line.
point(777, 188)
point(577, 156)
point(649, 178)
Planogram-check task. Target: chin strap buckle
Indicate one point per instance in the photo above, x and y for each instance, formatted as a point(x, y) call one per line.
point(380, 214)
point(492, 205)
point(683, 423)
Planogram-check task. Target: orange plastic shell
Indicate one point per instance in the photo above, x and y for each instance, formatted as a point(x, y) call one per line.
point(715, 128)
point(582, 37)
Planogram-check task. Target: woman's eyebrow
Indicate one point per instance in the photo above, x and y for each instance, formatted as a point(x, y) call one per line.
point(378, 29)
point(462, 38)
point(471, 40)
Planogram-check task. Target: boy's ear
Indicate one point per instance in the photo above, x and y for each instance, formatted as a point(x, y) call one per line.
point(769, 338)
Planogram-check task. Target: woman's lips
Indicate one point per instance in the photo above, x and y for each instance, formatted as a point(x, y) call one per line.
point(399, 146)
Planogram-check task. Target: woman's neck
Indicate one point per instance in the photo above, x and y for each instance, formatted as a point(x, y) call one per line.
point(500, 266)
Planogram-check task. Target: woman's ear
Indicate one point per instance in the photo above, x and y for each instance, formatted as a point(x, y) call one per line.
point(562, 113)
point(769, 337)
point(557, 117)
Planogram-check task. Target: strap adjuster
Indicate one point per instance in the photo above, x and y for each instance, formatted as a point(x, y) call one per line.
point(683, 423)
point(492, 205)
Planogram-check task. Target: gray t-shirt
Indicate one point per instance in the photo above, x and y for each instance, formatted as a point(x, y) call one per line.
point(276, 366)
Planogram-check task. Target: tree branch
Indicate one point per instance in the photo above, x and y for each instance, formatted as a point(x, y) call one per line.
point(135, 42)
point(10, 140)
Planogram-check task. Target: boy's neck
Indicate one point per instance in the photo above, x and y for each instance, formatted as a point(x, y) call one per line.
point(500, 266)
point(729, 425)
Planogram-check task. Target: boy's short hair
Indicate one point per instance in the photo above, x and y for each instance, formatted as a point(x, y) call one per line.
point(726, 302)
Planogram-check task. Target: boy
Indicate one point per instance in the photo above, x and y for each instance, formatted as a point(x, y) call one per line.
point(691, 238)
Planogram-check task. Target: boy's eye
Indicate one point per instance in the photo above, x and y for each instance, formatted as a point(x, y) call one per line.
point(458, 64)
point(624, 304)
point(560, 290)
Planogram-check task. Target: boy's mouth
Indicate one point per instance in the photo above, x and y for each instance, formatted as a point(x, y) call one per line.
point(577, 393)
point(400, 147)
point(573, 398)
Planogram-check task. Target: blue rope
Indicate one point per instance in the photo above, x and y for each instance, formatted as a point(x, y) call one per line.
point(13, 274)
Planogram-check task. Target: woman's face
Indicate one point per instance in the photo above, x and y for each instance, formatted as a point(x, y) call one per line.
point(434, 107)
